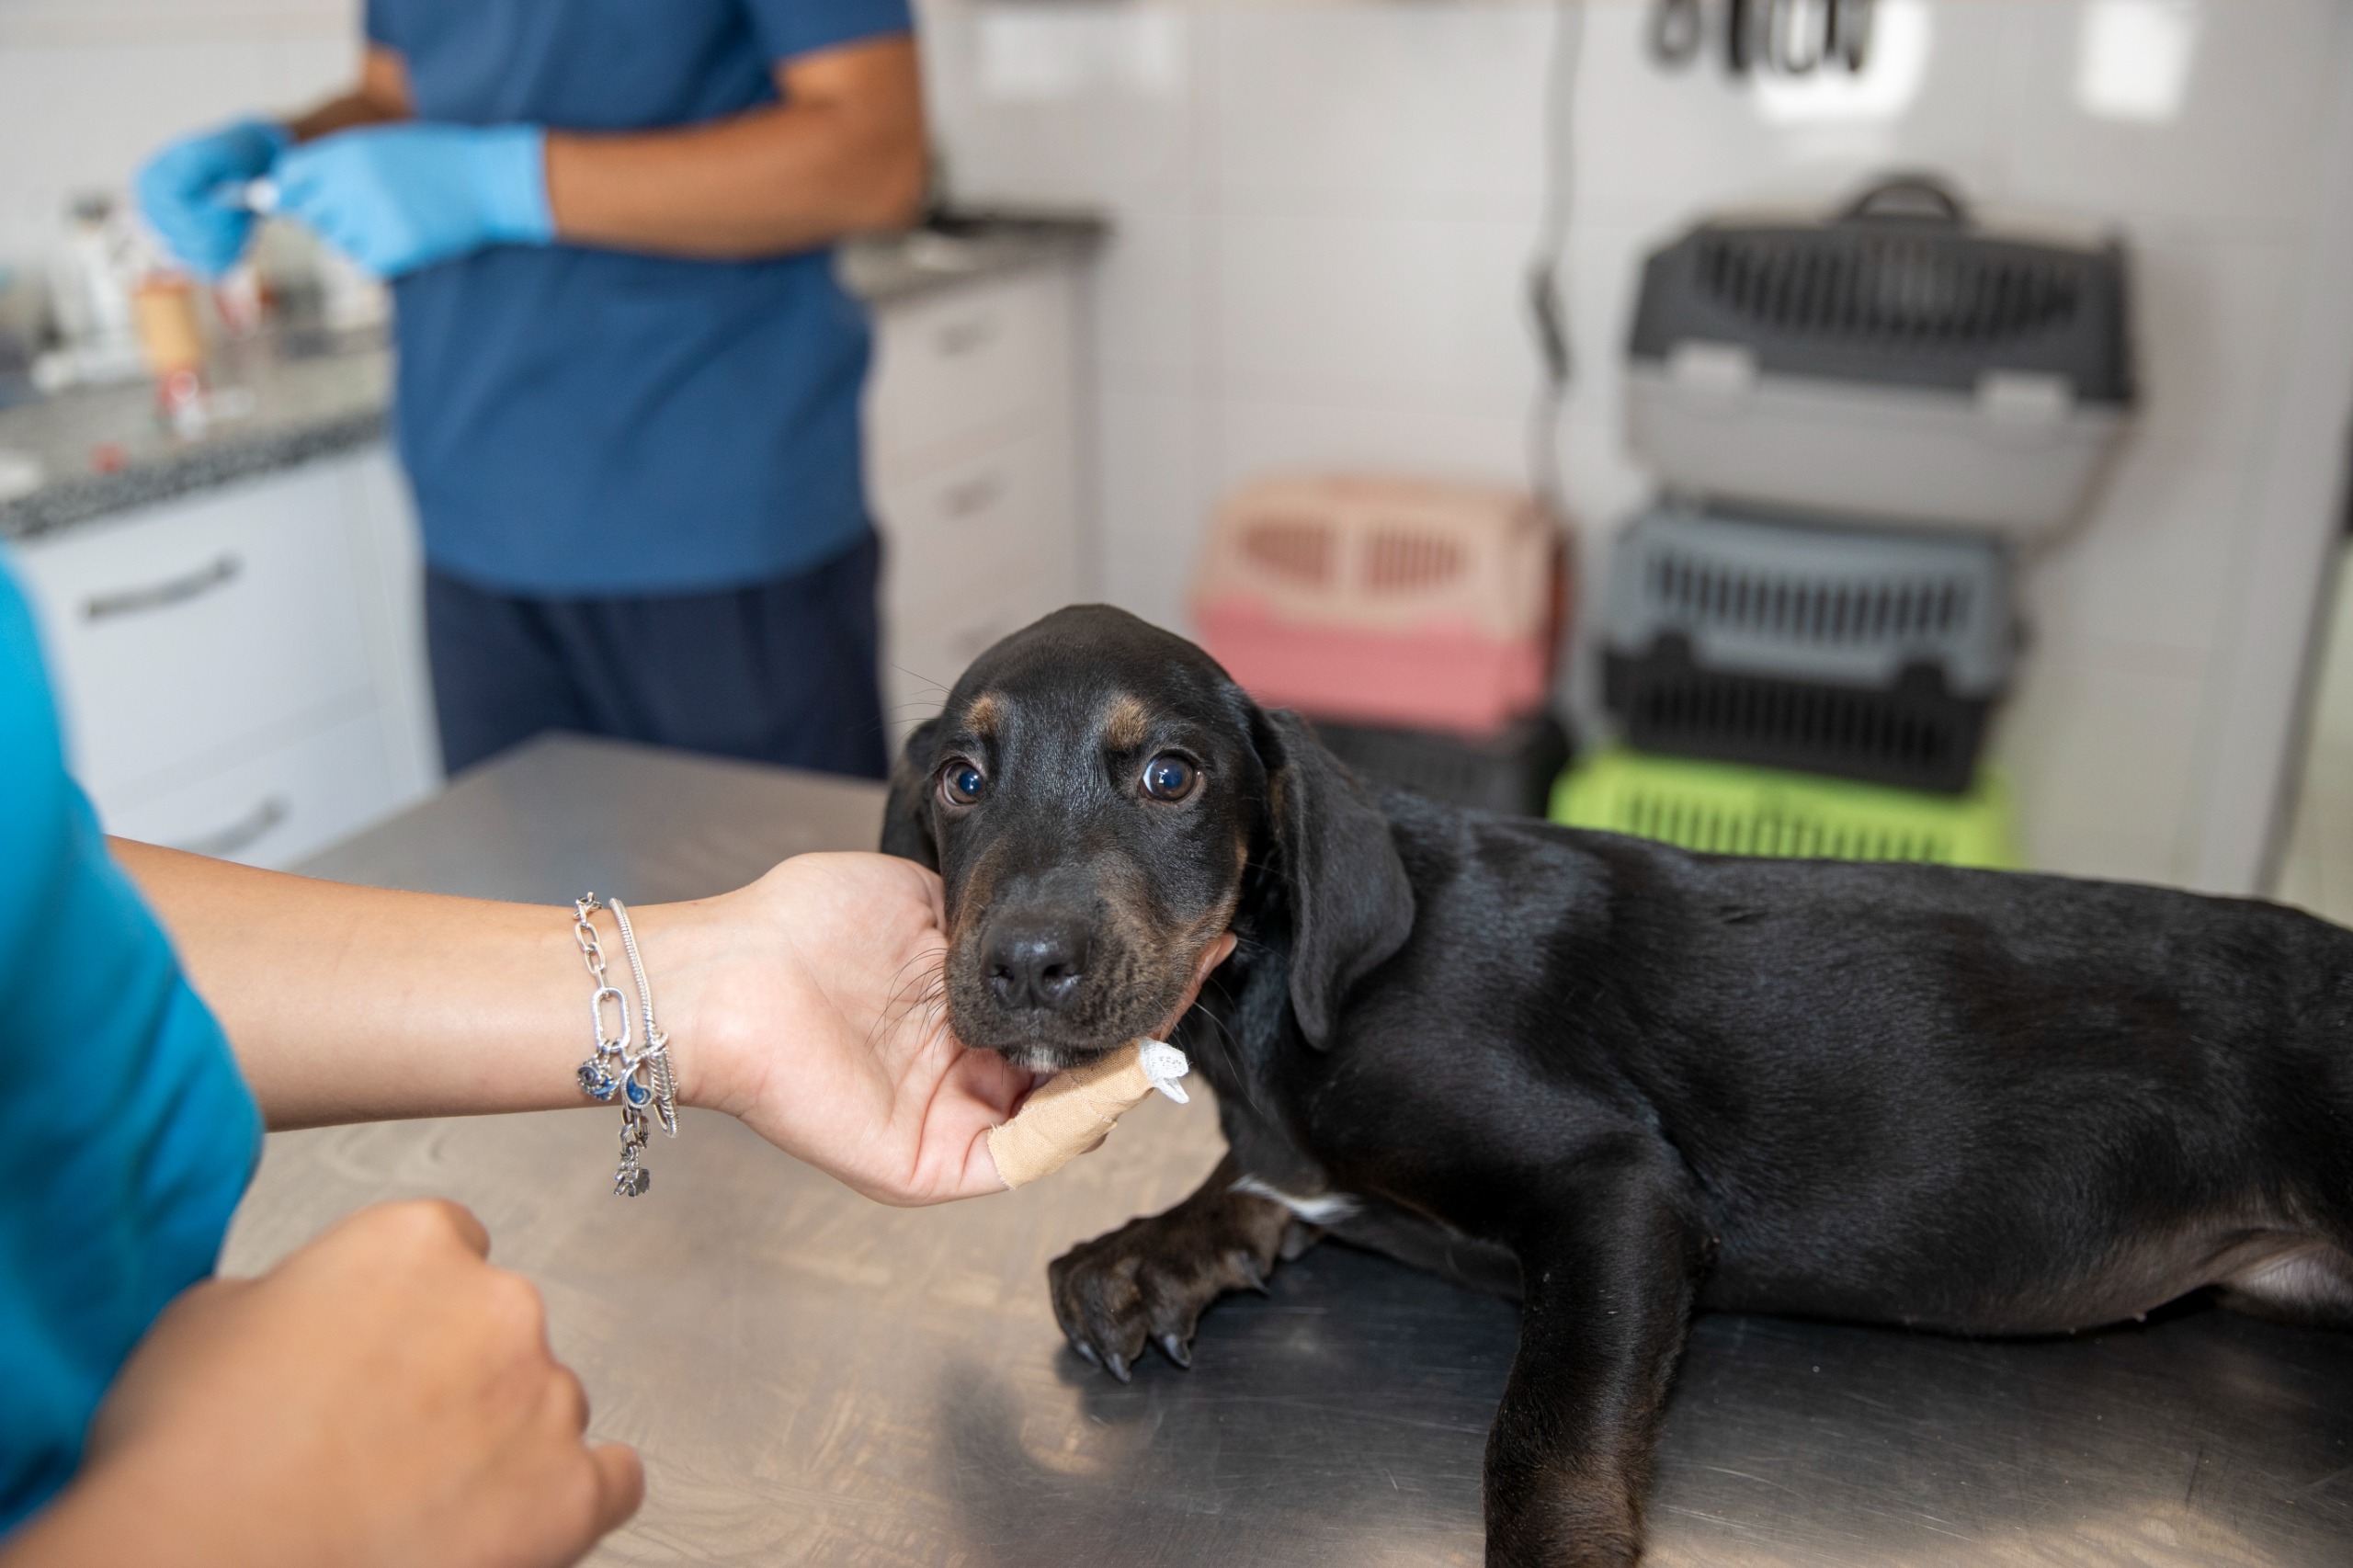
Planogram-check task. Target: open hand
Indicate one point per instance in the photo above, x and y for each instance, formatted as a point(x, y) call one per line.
point(810, 1004)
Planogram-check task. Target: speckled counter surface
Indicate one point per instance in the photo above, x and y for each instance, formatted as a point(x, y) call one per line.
point(979, 245)
point(102, 450)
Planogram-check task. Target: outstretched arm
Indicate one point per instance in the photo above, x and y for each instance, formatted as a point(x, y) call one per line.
point(802, 1004)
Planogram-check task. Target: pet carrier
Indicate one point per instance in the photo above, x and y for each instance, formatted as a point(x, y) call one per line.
point(1724, 809)
point(1511, 771)
point(1386, 601)
point(1898, 362)
point(1873, 655)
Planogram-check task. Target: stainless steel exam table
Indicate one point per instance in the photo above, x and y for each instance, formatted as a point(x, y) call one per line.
point(814, 1379)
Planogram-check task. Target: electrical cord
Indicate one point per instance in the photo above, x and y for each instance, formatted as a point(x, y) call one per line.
point(1546, 314)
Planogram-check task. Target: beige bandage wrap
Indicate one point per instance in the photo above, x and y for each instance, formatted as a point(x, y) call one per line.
point(1074, 1111)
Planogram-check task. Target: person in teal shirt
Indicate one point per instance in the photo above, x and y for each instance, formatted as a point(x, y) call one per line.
point(134, 1136)
point(383, 1393)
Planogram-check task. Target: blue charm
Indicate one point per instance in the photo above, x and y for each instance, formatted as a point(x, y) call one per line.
point(638, 1094)
point(596, 1082)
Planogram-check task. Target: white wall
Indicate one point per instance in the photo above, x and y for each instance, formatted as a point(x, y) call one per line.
point(1324, 212)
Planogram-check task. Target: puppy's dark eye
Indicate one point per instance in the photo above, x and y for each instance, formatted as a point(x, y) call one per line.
point(1169, 777)
point(961, 783)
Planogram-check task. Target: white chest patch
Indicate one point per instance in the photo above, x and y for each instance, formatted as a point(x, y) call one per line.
point(1316, 1209)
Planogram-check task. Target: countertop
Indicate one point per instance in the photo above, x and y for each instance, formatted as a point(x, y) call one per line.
point(817, 1379)
point(102, 450)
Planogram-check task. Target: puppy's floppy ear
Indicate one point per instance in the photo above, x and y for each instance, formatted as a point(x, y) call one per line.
point(907, 815)
point(1350, 903)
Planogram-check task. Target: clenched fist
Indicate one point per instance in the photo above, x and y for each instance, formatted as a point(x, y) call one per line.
point(383, 1396)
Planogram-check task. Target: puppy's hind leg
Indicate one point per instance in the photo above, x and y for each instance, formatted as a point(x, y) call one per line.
point(1149, 1281)
point(2304, 1276)
point(1611, 1255)
point(2306, 1282)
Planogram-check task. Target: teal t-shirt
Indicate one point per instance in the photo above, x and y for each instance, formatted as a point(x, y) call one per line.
point(129, 1135)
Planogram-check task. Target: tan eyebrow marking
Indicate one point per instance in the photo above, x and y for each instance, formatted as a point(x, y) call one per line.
point(1127, 723)
point(985, 714)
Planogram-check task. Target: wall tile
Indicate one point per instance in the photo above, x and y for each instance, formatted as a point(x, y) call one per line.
point(2210, 312)
point(2104, 761)
point(1381, 110)
point(2243, 148)
point(1152, 499)
point(2148, 574)
point(1257, 436)
point(1062, 104)
point(1147, 307)
point(1373, 307)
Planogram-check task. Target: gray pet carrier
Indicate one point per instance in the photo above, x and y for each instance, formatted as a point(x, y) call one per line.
point(1748, 639)
point(1898, 363)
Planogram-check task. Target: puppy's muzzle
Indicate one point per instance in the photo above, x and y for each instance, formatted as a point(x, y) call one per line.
point(1035, 962)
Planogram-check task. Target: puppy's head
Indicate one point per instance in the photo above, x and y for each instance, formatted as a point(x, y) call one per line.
point(1097, 797)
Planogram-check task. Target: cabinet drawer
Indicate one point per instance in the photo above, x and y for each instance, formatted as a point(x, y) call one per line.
point(274, 808)
point(971, 531)
point(175, 636)
point(959, 364)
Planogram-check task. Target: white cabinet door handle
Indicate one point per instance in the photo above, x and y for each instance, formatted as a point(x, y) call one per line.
point(216, 573)
point(975, 495)
point(241, 834)
point(956, 339)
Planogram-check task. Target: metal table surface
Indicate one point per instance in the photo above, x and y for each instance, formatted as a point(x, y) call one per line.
point(814, 1379)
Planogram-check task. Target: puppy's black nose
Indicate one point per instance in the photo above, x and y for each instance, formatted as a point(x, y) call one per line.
point(1036, 962)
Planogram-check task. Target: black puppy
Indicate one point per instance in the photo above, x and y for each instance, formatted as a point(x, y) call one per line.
point(1614, 1079)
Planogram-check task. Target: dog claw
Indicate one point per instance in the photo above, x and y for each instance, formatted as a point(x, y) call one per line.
point(1089, 1352)
point(1174, 1349)
point(1252, 1275)
point(1117, 1365)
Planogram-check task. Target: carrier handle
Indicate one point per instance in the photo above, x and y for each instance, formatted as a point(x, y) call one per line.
point(1914, 197)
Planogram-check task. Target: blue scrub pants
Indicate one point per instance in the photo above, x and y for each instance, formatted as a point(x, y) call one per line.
point(784, 671)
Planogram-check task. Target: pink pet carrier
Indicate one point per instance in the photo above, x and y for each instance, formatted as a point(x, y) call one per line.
point(1386, 601)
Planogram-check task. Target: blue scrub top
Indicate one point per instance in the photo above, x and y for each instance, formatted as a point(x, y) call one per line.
point(130, 1133)
point(585, 424)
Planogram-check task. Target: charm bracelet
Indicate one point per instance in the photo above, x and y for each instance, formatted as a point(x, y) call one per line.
point(627, 1066)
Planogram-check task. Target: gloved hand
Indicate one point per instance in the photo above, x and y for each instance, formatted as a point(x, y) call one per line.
point(396, 198)
point(189, 192)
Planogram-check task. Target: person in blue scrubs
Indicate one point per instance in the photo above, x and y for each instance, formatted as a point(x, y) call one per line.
point(628, 384)
point(383, 1394)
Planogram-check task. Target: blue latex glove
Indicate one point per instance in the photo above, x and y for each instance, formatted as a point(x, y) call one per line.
point(191, 192)
point(396, 198)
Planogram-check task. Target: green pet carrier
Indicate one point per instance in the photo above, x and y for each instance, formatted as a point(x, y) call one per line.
point(1721, 809)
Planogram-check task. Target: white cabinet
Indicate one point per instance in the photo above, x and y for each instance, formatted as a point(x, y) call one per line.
point(242, 672)
point(973, 469)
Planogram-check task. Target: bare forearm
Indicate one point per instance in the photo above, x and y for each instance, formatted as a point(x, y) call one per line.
point(339, 114)
point(348, 1004)
point(802, 1003)
point(844, 153)
point(381, 97)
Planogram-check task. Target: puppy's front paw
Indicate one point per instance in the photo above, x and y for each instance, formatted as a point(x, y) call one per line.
point(1149, 1281)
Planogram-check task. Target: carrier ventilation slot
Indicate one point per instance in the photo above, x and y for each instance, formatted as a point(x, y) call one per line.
point(1817, 610)
point(1715, 830)
point(1887, 290)
point(1401, 562)
point(1296, 548)
point(1862, 728)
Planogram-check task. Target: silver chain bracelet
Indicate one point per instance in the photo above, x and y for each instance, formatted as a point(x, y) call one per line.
point(631, 1067)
